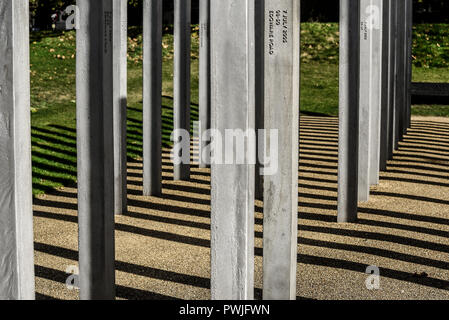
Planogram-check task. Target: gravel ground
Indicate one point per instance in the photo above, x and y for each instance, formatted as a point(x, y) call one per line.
point(162, 244)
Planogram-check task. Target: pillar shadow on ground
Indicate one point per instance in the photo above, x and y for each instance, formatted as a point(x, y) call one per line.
point(180, 205)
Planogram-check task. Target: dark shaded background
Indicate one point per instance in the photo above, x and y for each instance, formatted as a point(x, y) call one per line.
point(425, 11)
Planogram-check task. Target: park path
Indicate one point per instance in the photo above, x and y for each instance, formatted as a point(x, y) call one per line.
point(162, 244)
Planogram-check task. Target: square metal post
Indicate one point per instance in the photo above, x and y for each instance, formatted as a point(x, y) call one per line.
point(232, 185)
point(94, 98)
point(120, 48)
point(152, 97)
point(348, 110)
point(280, 222)
point(16, 211)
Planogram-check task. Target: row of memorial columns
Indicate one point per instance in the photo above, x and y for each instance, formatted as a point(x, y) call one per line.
point(376, 58)
point(249, 79)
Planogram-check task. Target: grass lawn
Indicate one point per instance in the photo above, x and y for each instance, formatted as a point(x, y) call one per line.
point(53, 89)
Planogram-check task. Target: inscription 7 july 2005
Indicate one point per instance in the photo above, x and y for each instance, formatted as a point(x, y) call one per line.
point(278, 30)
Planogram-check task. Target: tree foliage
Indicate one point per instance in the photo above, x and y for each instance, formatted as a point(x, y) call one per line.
point(41, 10)
point(425, 11)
